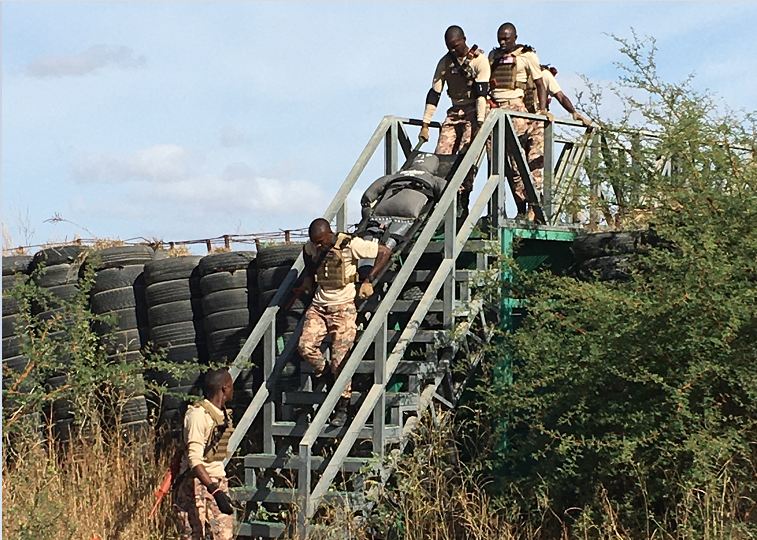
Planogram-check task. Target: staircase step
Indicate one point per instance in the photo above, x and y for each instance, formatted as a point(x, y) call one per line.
point(318, 464)
point(393, 399)
point(424, 276)
point(405, 367)
point(474, 245)
point(261, 529)
point(287, 495)
point(291, 429)
point(404, 306)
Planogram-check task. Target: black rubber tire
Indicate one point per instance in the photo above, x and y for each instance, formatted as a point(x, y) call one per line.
point(16, 264)
point(226, 262)
point(226, 300)
point(174, 312)
point(187, 352)
point(222, 281)
point(11, 306)
point(609, 268)
point(134, 410)
point(595, 245)
point(228, 339)
point(272, 278)
point(58, 255)
point(226, 356)
point(125, 341)
point(173, 401)
point(59, 274)
point(298, 306)
point(281, 255)
point(118, 278)
point(226, 320)
point(16, 364)
point(189, 380)
point(65, 292)
point(136, 431)
point(10, 281)
point(10, 322)
point(131, 357)
point(126, 319)
point(173, 268)
point(175, 334)
point(64, 430)
point(12, 345)
point(114, 300)
point(174, 290)
point(121, 256)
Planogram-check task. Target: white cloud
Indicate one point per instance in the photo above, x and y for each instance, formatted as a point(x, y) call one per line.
point(77, 65)
point(173, 175)
point(160, 163)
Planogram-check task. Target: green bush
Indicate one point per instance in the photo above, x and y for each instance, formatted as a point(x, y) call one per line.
point(638, 398)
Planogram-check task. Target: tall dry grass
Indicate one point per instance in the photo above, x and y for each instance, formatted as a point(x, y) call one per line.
point(94, 489)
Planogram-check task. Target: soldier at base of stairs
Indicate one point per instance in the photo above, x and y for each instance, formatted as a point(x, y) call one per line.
point(201, 492)
point(331, 265)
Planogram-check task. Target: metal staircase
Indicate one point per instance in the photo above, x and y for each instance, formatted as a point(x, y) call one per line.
point(420, 340)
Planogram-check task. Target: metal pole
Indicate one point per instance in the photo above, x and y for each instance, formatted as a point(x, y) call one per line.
point(549, 158)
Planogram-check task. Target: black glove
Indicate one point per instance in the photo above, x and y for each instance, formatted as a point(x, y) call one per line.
point(222, 499)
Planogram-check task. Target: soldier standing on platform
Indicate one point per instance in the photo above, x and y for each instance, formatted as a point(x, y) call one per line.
point(512, 66)
point(466, 73)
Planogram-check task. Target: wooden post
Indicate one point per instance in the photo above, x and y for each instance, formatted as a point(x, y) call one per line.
point(226, 241)
point(209, 245)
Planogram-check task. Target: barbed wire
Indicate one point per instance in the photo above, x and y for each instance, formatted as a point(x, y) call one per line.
point(217, 242)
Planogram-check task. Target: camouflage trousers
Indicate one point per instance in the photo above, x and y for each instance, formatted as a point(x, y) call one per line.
point(531, 137)
point(337, 321)
point(456, 136)
point(198, 514)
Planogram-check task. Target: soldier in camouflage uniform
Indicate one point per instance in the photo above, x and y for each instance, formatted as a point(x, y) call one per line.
point(466, 72)
point(201, 496)
point(513, 67)
point(536, 127)
point(331, 264)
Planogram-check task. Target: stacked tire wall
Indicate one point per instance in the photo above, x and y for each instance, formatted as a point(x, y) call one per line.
point(119, 290)
point(229, 286)
point(60, 278)
point(15, 268)
point(174, 312)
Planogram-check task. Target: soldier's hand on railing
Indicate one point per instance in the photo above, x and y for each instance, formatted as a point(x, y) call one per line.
point(578, 117)
point(366, 290)
point(549, 115)
point(423, 136)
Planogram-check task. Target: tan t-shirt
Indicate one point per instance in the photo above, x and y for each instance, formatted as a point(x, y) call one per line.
point(356, 249)
point(198, 428)
point(525, 63)
point(550, 83)
point(482, 72)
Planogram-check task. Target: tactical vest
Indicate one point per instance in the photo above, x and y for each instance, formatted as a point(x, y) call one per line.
point(333, 273)
point(460, 79)
point(505, 67)
point(531, 96)
point(217, 448)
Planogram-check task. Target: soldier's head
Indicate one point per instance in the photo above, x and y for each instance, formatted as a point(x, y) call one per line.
point(507, 35)
point(454, 38)
point(320, 234)
point(217, 383)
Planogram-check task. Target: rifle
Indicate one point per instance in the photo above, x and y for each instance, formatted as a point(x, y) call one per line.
point(168, 480)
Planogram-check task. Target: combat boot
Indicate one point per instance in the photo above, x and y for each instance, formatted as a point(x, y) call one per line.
point(340, 418)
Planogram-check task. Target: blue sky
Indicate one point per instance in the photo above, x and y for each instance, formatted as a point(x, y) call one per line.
point(184, 120)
